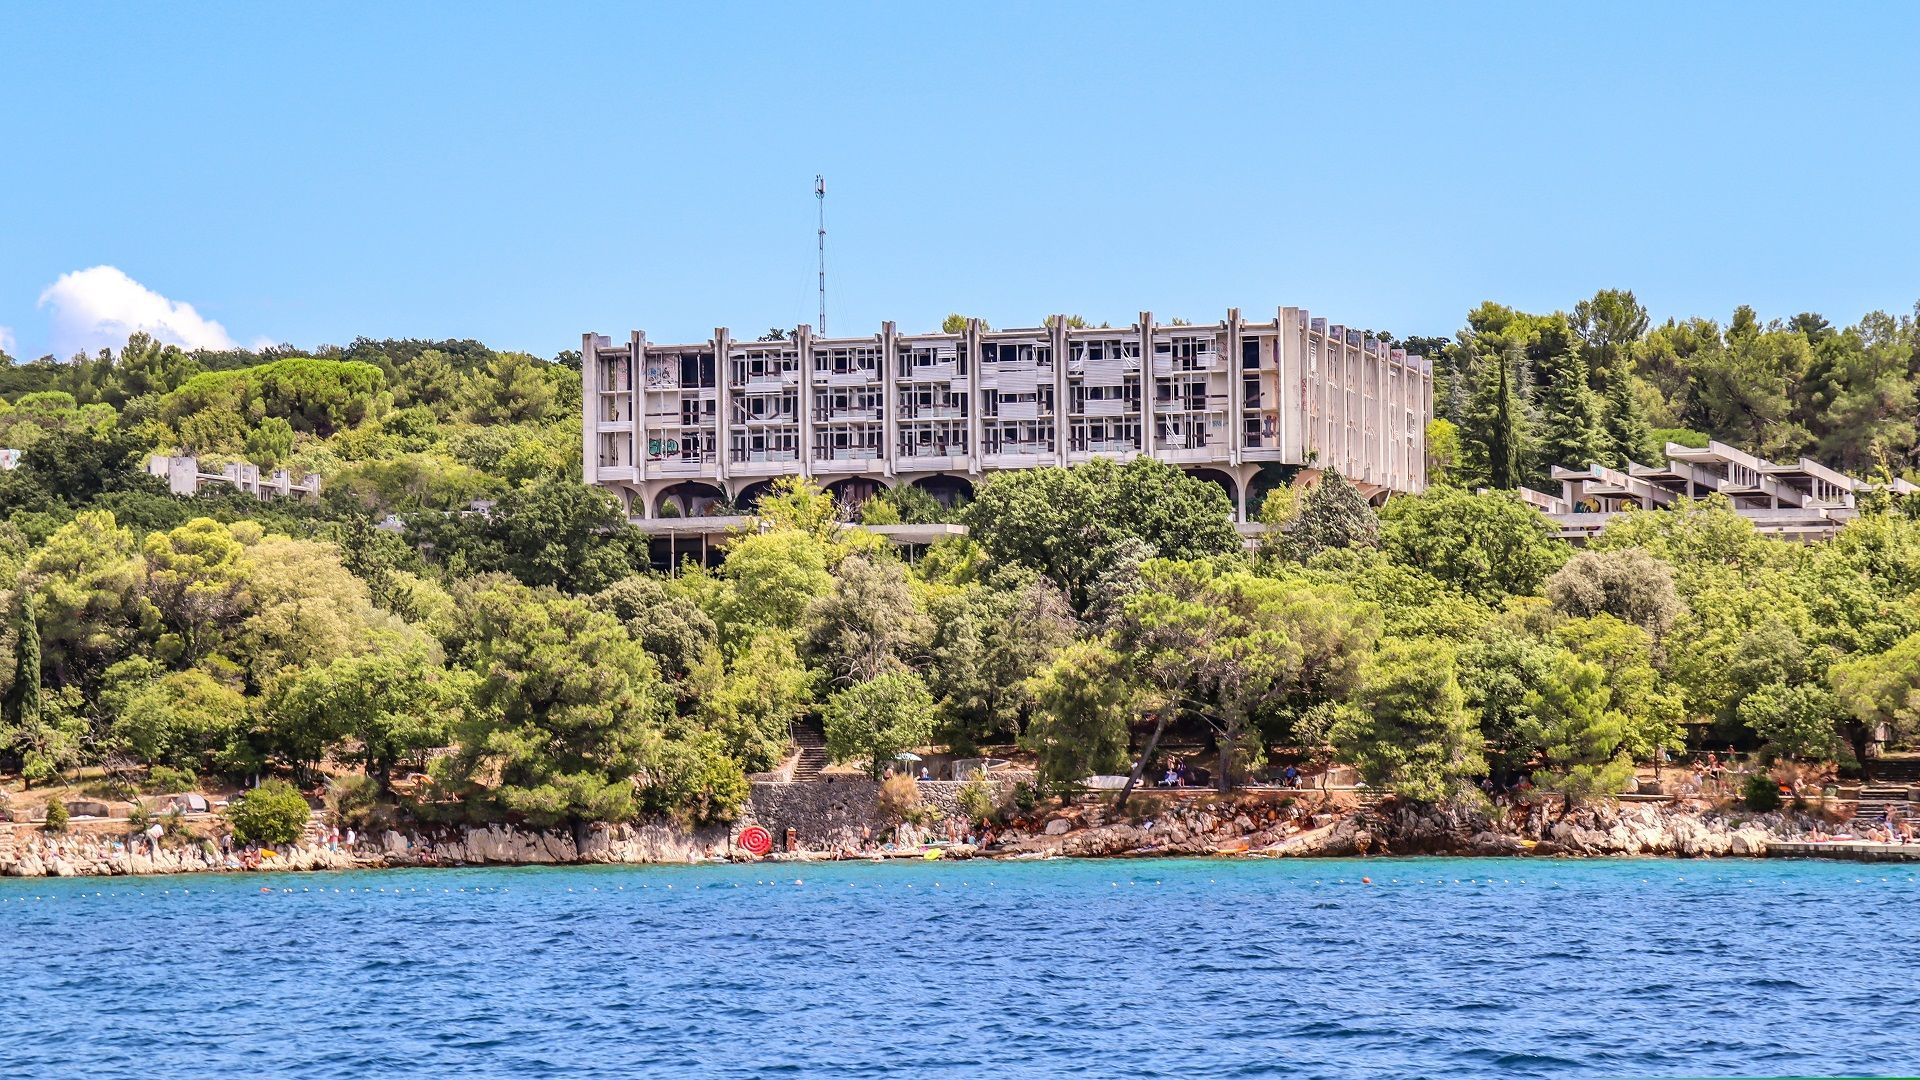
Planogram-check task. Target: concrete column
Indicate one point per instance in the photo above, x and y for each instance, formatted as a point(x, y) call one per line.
point(1057, 334)
point(803, 345)
point(969, 348)
point(589, 409)
point(1286, 360)
point(637, 379)
point(889, 396)
point(1145, 327)
point(722, 404)
point(1236, 396)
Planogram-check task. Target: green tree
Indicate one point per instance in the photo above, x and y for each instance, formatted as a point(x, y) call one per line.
point(1251, 646)
point(89, 595)
point(875, 721)
point(566, 708)
point(386, 705)
point(1879, 695)
point(987, 639)
point(1410, 731)
point(1581, 735)
point(1610, 326)
point(178, 718)
point(273, 813)
point(695, 781)
point(25, 713)
point(1484, 545)
point(1072, 525)
point(666, 623)
point(767, 583)
point(1084, 706)
point(1333, 514)
point(752, 702)
point(1443, 451)
point(1627, 583)
point(870, 623)
point(1497, 670)
point(1569, 429)
point(1798, 721)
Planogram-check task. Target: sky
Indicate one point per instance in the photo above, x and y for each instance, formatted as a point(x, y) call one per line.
point(521, 173)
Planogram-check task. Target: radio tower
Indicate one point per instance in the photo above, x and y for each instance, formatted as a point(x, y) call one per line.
point(820, 194)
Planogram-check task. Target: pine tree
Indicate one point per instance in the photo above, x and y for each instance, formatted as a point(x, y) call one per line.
point(1610, 325)
point(1629, 435)
point(1332, 515)
point(1570, 431)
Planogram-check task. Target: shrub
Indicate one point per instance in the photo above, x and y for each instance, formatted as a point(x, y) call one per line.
point(1761, 793)
point(273, 813)
point(979, 801)
point(1024, 798)
point(899, 797)
point(167, 780)
point(56, 816)
point(353, 801)
point(173, 827)
point(695, 782)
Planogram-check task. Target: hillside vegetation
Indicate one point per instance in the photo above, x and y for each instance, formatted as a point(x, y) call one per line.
point(532, 663)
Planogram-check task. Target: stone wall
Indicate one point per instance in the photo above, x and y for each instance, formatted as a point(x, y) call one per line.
point(827, 813)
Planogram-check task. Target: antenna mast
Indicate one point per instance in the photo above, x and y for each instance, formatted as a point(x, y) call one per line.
point(820, 194)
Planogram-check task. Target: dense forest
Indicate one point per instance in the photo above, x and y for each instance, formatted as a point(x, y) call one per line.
point(1525, 392)
point(526, 655)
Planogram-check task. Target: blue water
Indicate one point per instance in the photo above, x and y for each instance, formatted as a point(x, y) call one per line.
point(1139, 969)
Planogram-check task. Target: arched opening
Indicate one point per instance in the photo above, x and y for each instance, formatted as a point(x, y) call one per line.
point(1220, 480)
point(949, 491)
point(748, 500)
point(849, 492)
point(689, 498)
point(1271, 475)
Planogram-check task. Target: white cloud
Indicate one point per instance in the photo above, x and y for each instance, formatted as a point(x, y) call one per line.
point(99, 307)
point(7, 343)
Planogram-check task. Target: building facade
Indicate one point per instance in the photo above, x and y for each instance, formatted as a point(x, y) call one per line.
point(677, 430)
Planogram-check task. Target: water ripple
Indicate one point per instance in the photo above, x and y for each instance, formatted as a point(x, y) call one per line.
point(1461, 968)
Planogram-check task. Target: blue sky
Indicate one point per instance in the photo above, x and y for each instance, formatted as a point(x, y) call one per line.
point(521, 173)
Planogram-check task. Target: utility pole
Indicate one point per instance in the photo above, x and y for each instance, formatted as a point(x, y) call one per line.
point(820, 194)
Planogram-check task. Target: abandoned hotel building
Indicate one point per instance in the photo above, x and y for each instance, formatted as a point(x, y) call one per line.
point(687, 431)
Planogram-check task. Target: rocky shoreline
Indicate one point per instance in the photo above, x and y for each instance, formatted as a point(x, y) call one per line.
point(1261, 828)
point(1257, 825)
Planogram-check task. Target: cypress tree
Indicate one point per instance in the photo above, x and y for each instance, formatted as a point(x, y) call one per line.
point(1502, 436)
point(26, 678)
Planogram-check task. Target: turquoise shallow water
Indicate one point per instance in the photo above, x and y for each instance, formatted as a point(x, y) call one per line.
point(1141, 969)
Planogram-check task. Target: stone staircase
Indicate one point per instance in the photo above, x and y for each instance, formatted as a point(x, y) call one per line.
point(1876, 797)
point(813, 751)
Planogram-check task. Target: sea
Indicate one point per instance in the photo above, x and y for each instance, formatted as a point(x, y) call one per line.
point(1115, 968)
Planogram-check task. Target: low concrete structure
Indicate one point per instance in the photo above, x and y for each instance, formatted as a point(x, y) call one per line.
point(185, 477)
point(1802, 500)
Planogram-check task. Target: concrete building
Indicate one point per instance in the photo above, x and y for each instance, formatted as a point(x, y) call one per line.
point(1802, 500)
point(183, 477)
point(677, 430)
